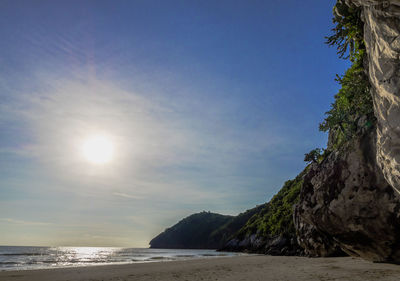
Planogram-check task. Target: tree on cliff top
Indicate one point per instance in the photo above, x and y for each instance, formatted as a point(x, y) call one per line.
point(348, 31)
point(313, 156)
point(353, 102)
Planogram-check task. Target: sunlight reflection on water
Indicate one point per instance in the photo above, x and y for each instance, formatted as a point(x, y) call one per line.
point(16, 258)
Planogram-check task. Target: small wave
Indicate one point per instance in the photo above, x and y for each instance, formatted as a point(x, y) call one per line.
point(95, 261)
point(9, 262)
point(130, 254)
point(22, 254)
point(157, 258)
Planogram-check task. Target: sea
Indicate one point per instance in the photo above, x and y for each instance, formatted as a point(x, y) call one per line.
point(24, 258)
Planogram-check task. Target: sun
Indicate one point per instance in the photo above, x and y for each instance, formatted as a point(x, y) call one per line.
point(98, 149)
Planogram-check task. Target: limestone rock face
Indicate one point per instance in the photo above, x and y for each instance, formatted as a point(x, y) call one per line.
point(346, 204)
point(382, 38)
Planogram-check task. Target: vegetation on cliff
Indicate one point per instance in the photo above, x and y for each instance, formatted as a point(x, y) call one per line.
point(229, 229)
point(330, 217)
point(352, 110)
point(276, 217)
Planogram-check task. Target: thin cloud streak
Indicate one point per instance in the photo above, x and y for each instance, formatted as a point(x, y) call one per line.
point(124, 195)
point(22, 222)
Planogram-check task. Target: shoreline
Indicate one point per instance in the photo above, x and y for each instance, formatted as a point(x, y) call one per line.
point(35, 258)
point(151, 260)
point(252, 267)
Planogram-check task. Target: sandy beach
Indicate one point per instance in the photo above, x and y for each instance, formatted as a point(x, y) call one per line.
point(227, 268)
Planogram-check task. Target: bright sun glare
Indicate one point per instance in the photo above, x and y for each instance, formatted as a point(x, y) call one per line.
point(98, 150)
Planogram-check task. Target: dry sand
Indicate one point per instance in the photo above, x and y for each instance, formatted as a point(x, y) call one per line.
point(247, 268)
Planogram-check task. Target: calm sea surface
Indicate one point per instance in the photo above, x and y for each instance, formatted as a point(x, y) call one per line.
point(19, 258)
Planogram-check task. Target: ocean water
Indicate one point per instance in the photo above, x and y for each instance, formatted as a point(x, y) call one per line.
point(22, 258)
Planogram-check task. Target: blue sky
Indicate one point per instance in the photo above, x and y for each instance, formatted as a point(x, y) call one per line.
point(210, 105)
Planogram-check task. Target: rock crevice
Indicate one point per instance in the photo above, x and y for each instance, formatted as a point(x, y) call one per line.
point(382, 39)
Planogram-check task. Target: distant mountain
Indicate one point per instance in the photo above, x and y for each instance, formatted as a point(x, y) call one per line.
point(193, 232)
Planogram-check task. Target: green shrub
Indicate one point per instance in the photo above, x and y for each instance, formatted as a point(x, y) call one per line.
point(276, 218)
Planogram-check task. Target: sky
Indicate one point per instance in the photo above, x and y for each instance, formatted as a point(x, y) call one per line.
point(208, 105)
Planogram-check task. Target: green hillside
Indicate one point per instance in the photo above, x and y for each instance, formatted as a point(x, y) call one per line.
point(193, 232)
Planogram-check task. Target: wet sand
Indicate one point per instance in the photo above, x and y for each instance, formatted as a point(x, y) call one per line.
point(249, 268)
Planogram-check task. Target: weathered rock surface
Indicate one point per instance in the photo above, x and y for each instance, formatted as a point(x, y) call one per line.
point(346, 203)
point(275, 246)
point(314, 242)
point(382, 39)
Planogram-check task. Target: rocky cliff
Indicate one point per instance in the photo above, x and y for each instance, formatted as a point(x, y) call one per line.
point(346, 204)
point(350, 200)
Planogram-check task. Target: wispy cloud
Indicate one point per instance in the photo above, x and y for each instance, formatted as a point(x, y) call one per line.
point(157, 140)
point(23, 222)
point(129, 196)
point(174, 154)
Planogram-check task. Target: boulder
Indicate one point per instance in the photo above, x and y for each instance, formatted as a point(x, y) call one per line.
point(347, 204)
